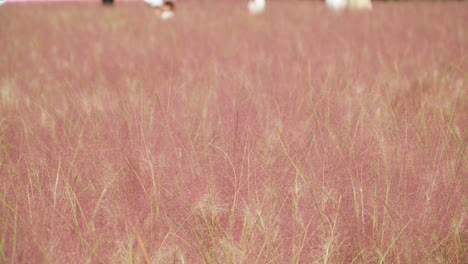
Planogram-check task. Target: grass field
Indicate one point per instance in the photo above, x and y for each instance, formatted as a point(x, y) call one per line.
point(300, 136)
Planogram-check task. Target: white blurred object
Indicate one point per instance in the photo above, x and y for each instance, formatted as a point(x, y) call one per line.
point(153, 3)
point(256, 6)
point(166, 11)
point(360, 4)
point(336, 5)
point(165, 15)
point(2, 2)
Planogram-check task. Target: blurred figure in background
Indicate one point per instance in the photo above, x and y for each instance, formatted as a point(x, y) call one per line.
point(155, 3)
point(107, 2)
point(166, 11)
point(162, 9)
point(336, 5)
point(360, 4)
point(256, 6)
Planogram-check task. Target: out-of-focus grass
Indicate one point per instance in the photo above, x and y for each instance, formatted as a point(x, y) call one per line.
point(299, 136)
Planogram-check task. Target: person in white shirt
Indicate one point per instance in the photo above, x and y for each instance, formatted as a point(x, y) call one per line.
point(163, 9)
point(256, 7)
point(336, 5)
point(155, 3)
point(166, 11)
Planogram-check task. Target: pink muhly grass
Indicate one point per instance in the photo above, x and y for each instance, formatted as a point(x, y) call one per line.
point(299, 136)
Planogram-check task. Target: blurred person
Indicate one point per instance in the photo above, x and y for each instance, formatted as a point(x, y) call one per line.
point(166, 11)
point(256, 6)
point(336, 5)
point(107, 2)
point(155, 3)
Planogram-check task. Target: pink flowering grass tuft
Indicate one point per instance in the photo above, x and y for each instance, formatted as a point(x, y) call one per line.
point(298, 136)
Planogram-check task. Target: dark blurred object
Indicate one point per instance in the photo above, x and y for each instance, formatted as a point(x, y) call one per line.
point(107, 2)
point(170, 5)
